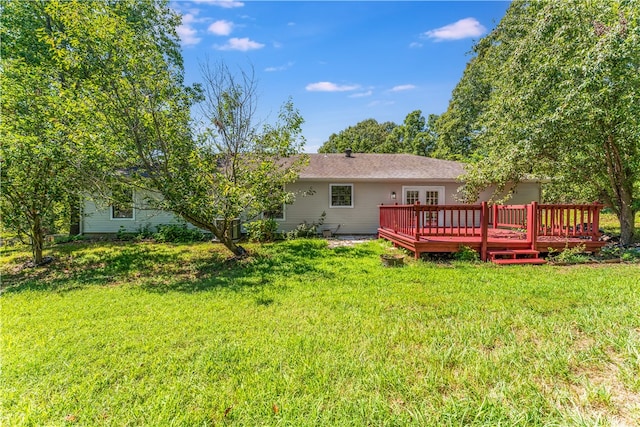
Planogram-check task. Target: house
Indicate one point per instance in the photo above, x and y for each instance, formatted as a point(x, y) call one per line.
point(348, 188)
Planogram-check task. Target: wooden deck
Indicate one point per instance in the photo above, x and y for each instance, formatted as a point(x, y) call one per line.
point(493, 231)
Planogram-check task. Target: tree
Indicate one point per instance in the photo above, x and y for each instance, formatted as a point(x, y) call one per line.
point(558, 84)
point(455, 128)
point(209, 176)
point(93, 96)
point(237, 168)
point(368, 136)
point(415, 135)
point(41, 163)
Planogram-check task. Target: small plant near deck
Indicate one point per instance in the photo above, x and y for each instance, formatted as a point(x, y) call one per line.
point(575, 255)
point(631, 255)
point(465, 253)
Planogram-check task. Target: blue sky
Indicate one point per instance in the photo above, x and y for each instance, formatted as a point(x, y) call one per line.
point(340, 62)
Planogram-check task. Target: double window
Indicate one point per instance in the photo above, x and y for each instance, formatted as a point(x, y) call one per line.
point(341, 195)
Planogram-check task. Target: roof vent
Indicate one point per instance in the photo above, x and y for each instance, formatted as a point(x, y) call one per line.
point(347, 152)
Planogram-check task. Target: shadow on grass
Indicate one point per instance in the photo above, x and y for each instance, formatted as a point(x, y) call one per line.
point(178, 268)
point(266, 266)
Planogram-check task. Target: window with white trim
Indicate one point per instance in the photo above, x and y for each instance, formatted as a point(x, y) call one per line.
point(276, 213)
point(341, 195)
point(412, 196)
point(122, 203)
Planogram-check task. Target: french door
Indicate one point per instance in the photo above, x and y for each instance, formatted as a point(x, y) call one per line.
point(426, 195)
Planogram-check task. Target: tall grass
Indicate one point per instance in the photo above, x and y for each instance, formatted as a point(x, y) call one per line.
point(300, 334)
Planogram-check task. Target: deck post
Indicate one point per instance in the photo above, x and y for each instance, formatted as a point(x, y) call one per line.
point(495, 215)
point(484, 230)
point(532, 224)
point(416, 209)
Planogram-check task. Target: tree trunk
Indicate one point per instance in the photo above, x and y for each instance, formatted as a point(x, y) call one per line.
point(37, 240)
point(74, 216)
point(626, 216)
point(237, 250)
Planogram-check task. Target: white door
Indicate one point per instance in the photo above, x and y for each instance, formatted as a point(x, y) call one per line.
point(426, 195)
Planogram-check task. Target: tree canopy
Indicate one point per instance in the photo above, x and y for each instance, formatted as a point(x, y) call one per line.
point(416, 135)
point(367, 136)
point(48, 159)
point(553, 92)
point(110, 101)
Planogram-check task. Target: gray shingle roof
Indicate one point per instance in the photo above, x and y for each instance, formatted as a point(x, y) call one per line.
point(380, 167)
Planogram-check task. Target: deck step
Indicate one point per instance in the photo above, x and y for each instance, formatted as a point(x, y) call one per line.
point(507, 261)
point(513, 253)
point(515, 256)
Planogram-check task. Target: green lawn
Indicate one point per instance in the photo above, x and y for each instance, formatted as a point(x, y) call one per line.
point(300, 334)
point(610, 224)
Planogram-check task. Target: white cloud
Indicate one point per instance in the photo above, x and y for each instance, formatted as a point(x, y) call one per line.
point(221, 28)
point(330, 87)
point(227, 4)
point(361, 94)
point(464, 28)
point(414, 45)
point(187, 35)
point(244, 44)
point(188, 18)
point(401, 88)
point(280, 68)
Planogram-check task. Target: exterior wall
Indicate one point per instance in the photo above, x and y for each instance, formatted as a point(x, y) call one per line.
point(363, 218)
point(97, 217)
point(524, 193)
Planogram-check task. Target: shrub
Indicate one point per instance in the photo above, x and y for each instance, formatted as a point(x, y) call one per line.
point(575, 255)
point(631, 255)
point(465, 253)
point(262, 230)
point(305, 229)
point(58, 240)
point(125, 235)
point(178, 233)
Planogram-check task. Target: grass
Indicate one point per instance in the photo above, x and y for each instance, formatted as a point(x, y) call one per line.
point(300, 334)
point(611, 225)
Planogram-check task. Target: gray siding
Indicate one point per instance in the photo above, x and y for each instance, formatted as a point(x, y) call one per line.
point(97, 217)
point(363, 218)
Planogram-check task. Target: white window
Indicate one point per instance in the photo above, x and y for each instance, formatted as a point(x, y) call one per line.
point(341, 195)
point(276, 213)
point(412, 196)
point(122, 203)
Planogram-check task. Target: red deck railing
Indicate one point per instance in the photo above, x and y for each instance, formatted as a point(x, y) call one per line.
point(511, 216)
point(416, 221)
point(581, 221)
point(449, 220)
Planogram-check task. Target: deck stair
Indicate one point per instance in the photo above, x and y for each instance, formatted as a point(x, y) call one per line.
point(515, 256)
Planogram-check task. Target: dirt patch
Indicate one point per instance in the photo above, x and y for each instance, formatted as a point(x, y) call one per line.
point(602, 394)
point(341, 241)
